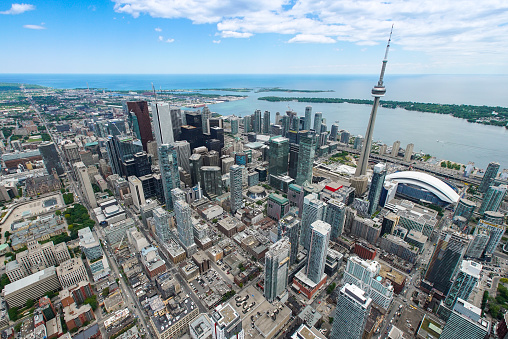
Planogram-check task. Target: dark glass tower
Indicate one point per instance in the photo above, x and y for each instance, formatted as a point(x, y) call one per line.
point(140, 110)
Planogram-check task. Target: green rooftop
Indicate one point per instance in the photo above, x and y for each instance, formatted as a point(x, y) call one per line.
point(279, 199)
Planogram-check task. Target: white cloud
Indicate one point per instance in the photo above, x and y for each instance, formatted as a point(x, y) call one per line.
point(34, 27)
point(450, 31)
point(161, 38)
point(170, 40)
point(92, 8)
point(312, 38)
point(232, 34)
point(158, 29)
point(19, 8)
point(216, 41)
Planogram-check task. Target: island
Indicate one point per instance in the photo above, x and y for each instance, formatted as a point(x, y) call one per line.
point(487, 115)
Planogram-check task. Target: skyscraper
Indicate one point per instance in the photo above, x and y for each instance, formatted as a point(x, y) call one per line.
point(266, 122)
point(376, 186)
point(161, 221)
point(465, 322)
point(206, 115)
point(395, 148)
point(140, 110)
point(445, 260)
point(247, 124)
point(318, 117)
point(121, 148)
point(409, 152)
point(465, 208)
point(183, 153)
point(136, 189)
point(289, 227)
point(305, 157)
point(84, 183)
point(196, 163)
point(183, 215)
point(257, 126)
point(308, 118)
point(335, 216)
point(463, 284)
point(334, 132)
point(277, 269)
point(477, 245)
point(163, 127)
point(313, 209)
point(490, 174)
point(351, 313)
point(50, 157)
point(178, 194)
point(377, 92)
point(316, 258)
point(211, 178)
point(235, 176)
point(169, 171)
point(365, 274)
point(235, 122)
point(226, 323)
point(278, 156)
point(495, 235)
point(492, 198)
point(294, 149)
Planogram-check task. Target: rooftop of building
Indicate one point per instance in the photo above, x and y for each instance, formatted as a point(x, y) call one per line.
point(392, 274)
point(471, 268)
point(229, 223)
point(310, 316)
point(427, 182)
point(31, 279)
point(272, 317)
point(174, 248)
point(429, 327)
point(225, 314)
point(175, 312)
point(201, 326)
point(278, 198)
point(304, 332)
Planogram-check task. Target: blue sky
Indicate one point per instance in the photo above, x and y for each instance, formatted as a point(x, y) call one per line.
point(254, 36)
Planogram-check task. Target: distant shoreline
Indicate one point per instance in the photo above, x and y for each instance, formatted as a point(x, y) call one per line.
point(486, 115)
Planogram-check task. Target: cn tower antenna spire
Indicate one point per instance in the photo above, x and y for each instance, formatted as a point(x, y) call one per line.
point(377, 92)
point(385, 60)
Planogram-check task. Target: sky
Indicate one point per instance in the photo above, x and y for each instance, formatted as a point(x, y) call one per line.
point(254, 36)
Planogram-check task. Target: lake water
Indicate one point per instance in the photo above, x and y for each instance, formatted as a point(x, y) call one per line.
point(440, 135)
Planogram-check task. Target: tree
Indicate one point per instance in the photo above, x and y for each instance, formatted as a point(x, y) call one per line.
point(105, 292)
point(13, 313)
point(58, 213)
point(7, 234)
point(92, 301)
point(30, 303)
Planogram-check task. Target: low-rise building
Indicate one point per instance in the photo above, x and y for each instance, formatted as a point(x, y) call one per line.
point(175, 252)
point(153, 263)
point(175, 320)
point(76, 317)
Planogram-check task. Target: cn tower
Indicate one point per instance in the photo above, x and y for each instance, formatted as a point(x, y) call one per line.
point(377, 92)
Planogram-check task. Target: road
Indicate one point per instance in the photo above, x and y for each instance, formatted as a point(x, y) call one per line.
point(126, 290)
point(184, 284)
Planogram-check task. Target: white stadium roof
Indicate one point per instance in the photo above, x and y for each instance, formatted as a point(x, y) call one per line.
point(428, 182)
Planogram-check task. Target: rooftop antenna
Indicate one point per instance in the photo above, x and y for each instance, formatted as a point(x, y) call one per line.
point(385, 60)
